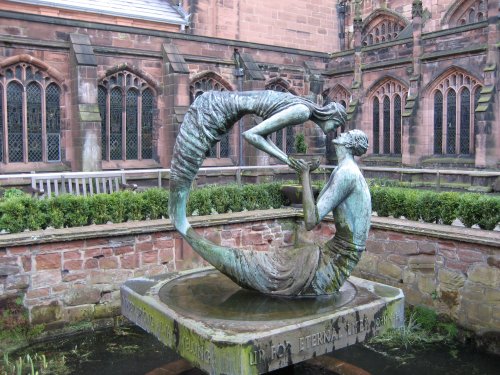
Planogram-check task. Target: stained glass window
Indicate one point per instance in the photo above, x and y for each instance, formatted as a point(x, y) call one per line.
point(387, 125)
point(116, 115)
point(451, 126)
point(15, 121)
point(1, 123)
point(33, 113)
point(126, 117)
point(53, 122)
point(376, 125)
point(132, 133)
point(147, 124)
point(397, 124)
point(438, 122)
point(465, 121)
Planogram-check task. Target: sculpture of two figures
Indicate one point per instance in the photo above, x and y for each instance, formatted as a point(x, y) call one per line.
point(310, 270)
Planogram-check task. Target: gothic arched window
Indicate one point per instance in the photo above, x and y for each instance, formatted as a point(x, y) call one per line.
point(466, 12)
point(381, 28)
point(456, 112)
point(30, 116)
point(388, 100)
point(207, 83)
point(126, 104)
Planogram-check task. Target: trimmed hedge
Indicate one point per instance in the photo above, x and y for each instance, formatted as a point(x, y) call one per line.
point(431, 207)
point(19, 212)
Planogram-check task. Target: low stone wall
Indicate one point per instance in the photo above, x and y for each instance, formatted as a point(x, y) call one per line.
point(456, 271)
point(74, 274)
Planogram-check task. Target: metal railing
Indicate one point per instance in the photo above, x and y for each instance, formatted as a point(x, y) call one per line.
point(161, 173)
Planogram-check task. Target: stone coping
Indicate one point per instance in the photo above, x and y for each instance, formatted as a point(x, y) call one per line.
point(447, 232)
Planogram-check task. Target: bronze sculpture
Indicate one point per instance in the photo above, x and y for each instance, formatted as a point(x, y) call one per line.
point(310, 270)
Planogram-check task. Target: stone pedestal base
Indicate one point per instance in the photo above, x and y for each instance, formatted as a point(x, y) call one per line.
point(224, 329)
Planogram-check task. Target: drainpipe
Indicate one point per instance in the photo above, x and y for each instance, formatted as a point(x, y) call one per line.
point(239, 73)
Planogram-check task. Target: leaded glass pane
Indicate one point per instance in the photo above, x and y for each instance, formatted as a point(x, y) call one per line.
point(224, 146)
point(101, 100)
point(1, 123)
point(53, 125)
point(9, 74)
point(290, 140)
point(19, 72)
point(116, 114)
point(15, 121)
point(438, 122)
point(397, 124)
point(34, 116)
point(29, 73)
point(464, 121)
point(279, 139)
point(451, 126)
point(147, 124)
point(131, 125)
point(38, 76)
point(376, 125)
point(387, 125)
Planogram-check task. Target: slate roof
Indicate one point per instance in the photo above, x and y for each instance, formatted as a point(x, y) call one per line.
point(151, 10)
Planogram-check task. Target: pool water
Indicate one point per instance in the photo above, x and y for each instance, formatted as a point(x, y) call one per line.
point(131, 351)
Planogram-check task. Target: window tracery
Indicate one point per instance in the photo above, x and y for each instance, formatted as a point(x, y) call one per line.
point(454, 113)
point(387, 106)
point(382, 29)
point(126, 104)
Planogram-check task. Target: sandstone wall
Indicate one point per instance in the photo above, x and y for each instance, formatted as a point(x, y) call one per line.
point(70, 275)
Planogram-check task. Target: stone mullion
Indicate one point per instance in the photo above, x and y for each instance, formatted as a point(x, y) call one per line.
point(444, 144)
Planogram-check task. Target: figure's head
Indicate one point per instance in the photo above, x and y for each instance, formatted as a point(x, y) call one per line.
point(329, 117)
point(354, 140)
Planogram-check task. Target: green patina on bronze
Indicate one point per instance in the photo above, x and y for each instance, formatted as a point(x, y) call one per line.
point(307, 270)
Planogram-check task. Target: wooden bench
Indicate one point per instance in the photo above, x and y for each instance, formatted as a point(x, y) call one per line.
point(90, 183)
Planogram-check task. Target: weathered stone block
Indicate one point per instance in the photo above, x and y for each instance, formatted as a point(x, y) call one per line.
point(450, 280)
point(426, 283)
point(82, 296)
point(45, 278)
point(368, 263)
point(16, 282)
point(48, 261)
point(45, 314)
point(79, 313)
point(390, 270)
point(485, 274)
point(8, 270)
point(409, 277)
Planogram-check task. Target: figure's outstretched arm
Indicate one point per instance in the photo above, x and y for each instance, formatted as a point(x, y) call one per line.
point(258, 135)
point(335, 191)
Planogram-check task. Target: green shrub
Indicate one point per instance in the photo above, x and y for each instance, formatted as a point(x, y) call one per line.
point(155, 203)
point(13, 193)
point(100, 209)
point(235, 198)
point(75, 209)
point(429, 207)
point(448, 207)
point(200, 202)
point(490, 212)
point(469, 211)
